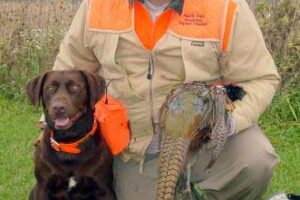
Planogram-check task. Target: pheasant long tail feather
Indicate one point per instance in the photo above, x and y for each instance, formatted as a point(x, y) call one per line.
point(218, 136)
point(172, 161)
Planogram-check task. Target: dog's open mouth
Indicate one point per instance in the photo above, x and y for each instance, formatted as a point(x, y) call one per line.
point(63, 123)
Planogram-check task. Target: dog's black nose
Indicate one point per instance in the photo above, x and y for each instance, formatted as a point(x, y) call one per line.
point(58, 108)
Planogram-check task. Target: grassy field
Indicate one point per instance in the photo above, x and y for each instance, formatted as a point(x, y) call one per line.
point(281, 123)
point(18, 130)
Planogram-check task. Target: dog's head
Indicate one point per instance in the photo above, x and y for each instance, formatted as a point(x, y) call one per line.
point(65, 95)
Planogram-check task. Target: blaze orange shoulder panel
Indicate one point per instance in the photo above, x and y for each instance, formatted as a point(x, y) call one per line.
point(114, 15)
point(228, 24)
point(200, 19)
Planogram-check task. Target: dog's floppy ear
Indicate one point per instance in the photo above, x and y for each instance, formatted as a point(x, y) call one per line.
point(34, 89)
point(96, 87)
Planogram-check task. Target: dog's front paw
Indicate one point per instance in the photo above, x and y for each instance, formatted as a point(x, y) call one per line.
point(57, 187)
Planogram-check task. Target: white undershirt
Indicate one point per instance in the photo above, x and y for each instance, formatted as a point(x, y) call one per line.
point(155, 11)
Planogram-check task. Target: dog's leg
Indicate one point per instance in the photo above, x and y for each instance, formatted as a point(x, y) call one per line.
point(32, 193)
point(110, 195)
point(57, 188)
point(88, 189)
point(38, 193)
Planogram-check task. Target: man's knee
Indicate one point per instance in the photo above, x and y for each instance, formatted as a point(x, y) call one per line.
point(249, 184)
point(259, 167)
point(258, 157)
point(243, 170)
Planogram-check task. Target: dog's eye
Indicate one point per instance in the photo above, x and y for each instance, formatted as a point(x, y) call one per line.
point(74, 87)
point(51, 89)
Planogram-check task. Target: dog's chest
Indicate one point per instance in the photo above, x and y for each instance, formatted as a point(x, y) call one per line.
point(72, 183)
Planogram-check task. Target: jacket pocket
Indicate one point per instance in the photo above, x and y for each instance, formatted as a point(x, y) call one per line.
point(200, 60)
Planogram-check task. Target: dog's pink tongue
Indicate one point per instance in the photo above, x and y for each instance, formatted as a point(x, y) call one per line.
point(62, 122)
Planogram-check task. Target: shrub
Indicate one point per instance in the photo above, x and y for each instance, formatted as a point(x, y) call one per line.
point(279, 21)
point(30, 34)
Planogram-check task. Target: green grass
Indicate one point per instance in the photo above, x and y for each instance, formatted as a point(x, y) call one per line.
point(286, 141)
point(282, 125)
point(18, 130)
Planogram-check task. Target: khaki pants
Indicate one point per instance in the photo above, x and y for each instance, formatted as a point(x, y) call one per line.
point(242, 172)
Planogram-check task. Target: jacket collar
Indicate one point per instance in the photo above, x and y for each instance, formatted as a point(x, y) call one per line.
point(176, 5)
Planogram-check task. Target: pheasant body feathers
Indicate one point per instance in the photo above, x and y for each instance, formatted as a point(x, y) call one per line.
point(194, 116)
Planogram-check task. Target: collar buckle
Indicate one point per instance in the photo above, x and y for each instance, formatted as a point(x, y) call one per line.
point(55, 145)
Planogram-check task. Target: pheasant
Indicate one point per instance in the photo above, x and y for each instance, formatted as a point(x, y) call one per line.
point(194, 117)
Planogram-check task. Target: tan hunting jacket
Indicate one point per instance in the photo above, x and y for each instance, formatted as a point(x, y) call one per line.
point(206, 40)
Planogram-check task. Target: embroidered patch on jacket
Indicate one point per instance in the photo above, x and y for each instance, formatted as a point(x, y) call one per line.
point(193, 20)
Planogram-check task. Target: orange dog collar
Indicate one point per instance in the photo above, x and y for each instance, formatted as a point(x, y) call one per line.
point(72, 148)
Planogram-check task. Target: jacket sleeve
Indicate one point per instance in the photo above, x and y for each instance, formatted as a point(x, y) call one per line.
point(74, 52)
point(248, 62)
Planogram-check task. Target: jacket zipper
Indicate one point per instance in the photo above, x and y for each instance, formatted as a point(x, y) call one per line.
point(151, 92)
point(150, 76)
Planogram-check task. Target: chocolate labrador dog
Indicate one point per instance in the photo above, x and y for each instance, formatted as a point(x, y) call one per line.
point(72, 161)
